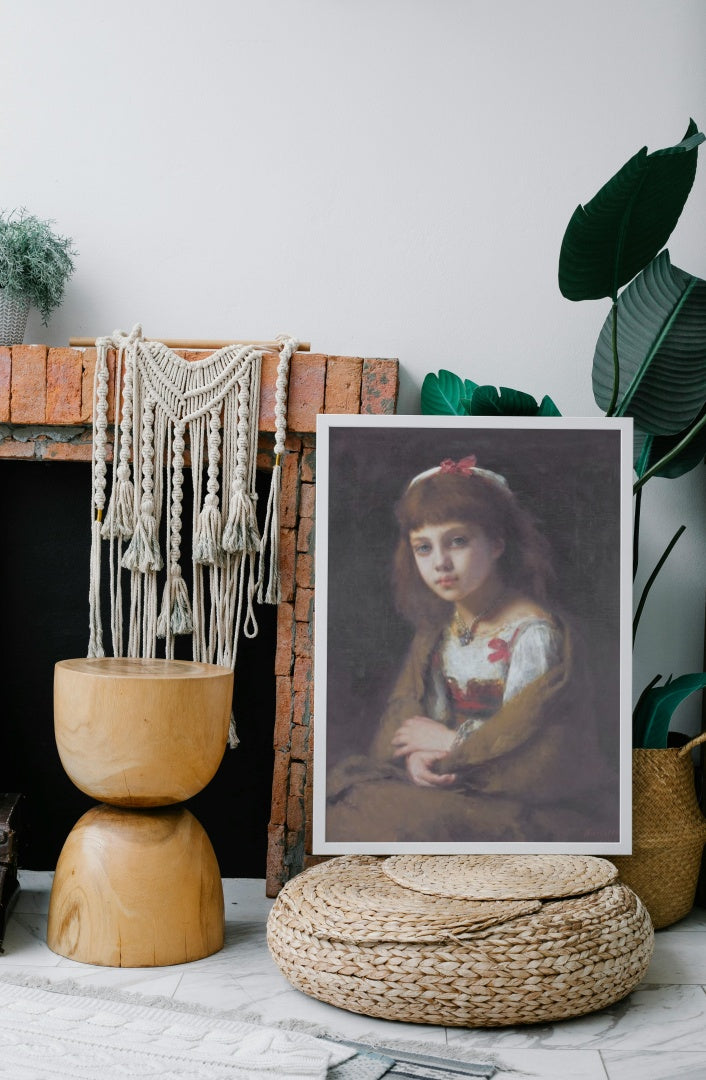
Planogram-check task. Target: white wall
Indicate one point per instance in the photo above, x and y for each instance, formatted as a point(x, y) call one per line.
point(382, 177)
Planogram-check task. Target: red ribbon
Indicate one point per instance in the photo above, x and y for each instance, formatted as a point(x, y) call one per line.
point(464, 466)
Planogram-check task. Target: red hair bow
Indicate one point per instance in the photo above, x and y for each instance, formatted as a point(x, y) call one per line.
point(464, 466)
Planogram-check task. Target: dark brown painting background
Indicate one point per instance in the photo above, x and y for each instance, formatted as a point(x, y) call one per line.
point(568, 479)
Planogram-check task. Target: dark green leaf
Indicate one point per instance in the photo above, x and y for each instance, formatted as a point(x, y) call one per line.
point(661, 350)
point(443, 394)
point(654, 711)
point(649, 449)
point(610, 239)
point(502, 401)
point(548, 408)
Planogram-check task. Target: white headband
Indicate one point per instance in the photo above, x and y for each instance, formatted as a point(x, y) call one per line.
point(465, 467)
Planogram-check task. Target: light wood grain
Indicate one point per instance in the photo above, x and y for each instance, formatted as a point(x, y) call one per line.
point(136, 888)
point(141, 732)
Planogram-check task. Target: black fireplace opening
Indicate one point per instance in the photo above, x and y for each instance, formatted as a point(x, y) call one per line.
point(44, 559)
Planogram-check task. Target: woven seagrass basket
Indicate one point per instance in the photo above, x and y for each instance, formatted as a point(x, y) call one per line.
point(668, 833)
point(13, 319)
point(347, 933)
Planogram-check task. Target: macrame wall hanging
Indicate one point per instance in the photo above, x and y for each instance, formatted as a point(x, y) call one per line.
point(161, 400)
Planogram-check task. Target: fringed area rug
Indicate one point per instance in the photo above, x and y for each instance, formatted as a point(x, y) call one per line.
point(62, 1030)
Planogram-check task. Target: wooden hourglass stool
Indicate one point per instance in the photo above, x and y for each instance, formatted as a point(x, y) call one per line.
point(137, 883)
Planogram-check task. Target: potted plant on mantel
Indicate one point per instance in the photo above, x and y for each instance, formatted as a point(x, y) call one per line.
point(654, 339)
point(35, 264)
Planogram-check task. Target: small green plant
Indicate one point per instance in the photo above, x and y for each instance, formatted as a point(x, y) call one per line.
point(35, 263)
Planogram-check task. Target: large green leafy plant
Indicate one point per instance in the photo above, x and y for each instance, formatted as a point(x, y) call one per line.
point(650, 358)
point(35, 263)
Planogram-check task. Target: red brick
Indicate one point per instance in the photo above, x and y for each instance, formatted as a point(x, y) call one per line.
point(307, 382)
point(303, 640)
point(5, 373)
point(280, 785)
point(287, 562)
point(275, 860)
point(295, 817)
point(379, 386)
point(307, 500)
point(300, 738)
point(305, 535)
point(304, 605)
point(284, 653)
point(11, 448)
point(343, 382)
point(54, 451)
point(305, 571)
point(308, 809)
point(301, 712)
point(314, 860)
point(283, 712)
point(289, 500)
point(64, 378)
point(308, 464)
point(306, 391)
point(28, 399)
point(297, 779)
point(292, 444)
point(302, 674)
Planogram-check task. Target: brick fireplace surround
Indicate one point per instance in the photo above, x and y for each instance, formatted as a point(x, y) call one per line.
point(45, 415)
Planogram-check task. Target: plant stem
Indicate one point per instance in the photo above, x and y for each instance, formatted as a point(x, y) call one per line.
point(651, 579)
point(691, 433)
point(636, 533)
point(616, 365)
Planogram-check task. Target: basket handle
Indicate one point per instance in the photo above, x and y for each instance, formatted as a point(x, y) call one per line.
point(691, 745)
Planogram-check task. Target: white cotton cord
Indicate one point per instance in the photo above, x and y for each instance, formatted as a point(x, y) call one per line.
point(143, 553)
point(272, 593)
point(99, 470)
point(208, 549)
point(241, 531)
point(120, 517)
point(176, 616)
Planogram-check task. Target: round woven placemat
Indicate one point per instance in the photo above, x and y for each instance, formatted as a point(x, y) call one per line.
point(500, 877)
point(360, 903)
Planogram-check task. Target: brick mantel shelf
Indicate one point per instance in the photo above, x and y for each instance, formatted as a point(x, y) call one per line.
point(46, 399)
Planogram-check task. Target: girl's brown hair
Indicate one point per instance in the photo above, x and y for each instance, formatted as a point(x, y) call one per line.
point(525, 563)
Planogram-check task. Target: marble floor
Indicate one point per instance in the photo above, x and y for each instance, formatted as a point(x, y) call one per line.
point(658, 1033)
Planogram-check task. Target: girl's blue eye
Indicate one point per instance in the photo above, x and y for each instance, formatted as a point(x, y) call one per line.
point(421, 549)
point(459, 541)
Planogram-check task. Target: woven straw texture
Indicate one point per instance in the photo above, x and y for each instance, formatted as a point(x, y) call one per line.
point(13, 319)
point(668, 833)
point(361, 903)
point(501, 877)
point(570, 957)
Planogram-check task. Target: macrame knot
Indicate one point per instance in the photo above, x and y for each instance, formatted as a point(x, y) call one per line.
point(142, 553)
point(120, 518)
point(175, 615)
point(208, 550)
point(241, 532)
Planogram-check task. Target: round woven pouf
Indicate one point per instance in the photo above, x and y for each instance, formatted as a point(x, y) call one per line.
point(347, 933)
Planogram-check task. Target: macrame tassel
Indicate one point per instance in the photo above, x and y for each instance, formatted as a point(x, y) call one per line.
point(233, 739)
point(143, 552)
point(175, 614)
point(208, 548)
point(273, 593)
point(241, 532)
point(95, 640)
point(120, 518)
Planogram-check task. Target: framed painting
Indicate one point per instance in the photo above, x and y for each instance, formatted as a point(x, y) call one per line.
point(473, 635)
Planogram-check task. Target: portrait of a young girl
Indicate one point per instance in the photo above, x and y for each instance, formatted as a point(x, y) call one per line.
point(489, 730)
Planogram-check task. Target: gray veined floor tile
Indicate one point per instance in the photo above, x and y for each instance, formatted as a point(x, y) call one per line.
point(679, 957)
point(674, 1065)
point(651, 1018)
